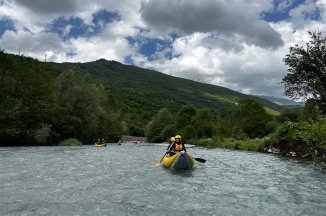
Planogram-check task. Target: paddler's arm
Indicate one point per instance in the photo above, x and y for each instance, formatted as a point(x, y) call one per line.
point(184, 147)
point(170, 147)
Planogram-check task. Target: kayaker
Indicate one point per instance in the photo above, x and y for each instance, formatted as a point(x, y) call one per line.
point(171, 142)
point(98, 142)
point(177, 146)
point(103, 141)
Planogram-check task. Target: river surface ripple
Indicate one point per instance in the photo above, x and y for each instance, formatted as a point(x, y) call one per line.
point(122, 180)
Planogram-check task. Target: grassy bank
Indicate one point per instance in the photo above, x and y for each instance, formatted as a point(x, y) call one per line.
point(294, 146)
point(230, 143)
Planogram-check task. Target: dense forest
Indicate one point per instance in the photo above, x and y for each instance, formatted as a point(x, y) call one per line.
point(45, 103)
point(41, 105)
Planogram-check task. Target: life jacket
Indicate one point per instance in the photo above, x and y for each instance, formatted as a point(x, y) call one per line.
point(178, 147)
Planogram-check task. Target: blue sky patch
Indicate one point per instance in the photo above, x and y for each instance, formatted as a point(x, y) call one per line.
point(104, 17)
point(128, 60)
point(71, 54)
point(315, 15)
point(6, 24)
point(174, 36)
point(149, 46)
point(74, 27)
point(278, 15)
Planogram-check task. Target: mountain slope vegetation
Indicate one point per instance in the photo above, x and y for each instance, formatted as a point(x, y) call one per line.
point(161, 88)
point(46, 103)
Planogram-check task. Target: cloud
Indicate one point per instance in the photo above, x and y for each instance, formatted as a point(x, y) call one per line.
point(253, 70)
point(283, 5)
point(109, 44)
point(305, 13)
point(223, 17)
point(227, 43)
point(248, 68)
point(57, 6)
point(321, 4)
point(35, 45)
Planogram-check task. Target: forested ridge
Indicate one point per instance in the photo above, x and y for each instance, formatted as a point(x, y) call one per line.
point(46, 103)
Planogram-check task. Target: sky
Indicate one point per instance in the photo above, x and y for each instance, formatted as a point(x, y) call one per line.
point(238, 44)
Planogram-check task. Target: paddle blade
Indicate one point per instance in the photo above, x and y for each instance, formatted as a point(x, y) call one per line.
point(157, 164)
point(200, 160)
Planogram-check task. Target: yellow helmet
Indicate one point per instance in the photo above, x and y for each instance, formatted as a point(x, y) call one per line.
point(172, 139)
point(177, 137)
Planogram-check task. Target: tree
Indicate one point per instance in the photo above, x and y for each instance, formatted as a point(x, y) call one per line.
point(168, 132)
point(26, 99)
point(306, 75)
point(135, 130)
point(251, 119)
point(293, 115)
point(184, 116)
point(189, 132)
point(203, 122)
point(82, 109)
point(311, 111)
point(157, 125)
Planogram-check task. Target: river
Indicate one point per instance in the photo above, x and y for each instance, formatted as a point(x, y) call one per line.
point(122, 180)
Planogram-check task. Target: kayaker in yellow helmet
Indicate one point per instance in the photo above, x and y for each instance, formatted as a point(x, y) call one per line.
point(171, 142)
point(177, 146)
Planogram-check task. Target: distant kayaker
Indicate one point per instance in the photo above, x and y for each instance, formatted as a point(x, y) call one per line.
point(177, 146)
point(119, 142)
point(103, 141)
point(98, 142)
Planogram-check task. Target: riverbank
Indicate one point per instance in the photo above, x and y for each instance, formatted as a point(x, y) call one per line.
point(231, 143)
point(265, 145)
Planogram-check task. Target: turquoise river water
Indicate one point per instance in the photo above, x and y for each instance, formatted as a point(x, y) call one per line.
point(122, 180)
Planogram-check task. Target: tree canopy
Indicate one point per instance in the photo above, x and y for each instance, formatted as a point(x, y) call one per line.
point(306, 75)
point(42, 105)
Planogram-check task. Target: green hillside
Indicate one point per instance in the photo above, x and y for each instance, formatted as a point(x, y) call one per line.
point(162, 89)
point(46, 103)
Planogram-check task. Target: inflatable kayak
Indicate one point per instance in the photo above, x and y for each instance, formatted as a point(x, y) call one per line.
point(100, 145)
point(178, 161)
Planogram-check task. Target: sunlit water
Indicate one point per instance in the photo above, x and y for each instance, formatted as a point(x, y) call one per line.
point(122, 180)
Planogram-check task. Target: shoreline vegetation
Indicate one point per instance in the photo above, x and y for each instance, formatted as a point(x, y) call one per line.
point(258, 145)
point(305, 140)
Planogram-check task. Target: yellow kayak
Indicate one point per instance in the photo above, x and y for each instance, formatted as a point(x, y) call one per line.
point(100, 145)
point(179, 161)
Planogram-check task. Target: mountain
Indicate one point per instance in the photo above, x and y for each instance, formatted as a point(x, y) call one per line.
point(282, 101)
point(46, 102)
point(159, 89)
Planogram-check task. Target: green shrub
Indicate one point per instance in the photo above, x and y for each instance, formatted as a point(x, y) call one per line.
point(70, 142)
point(230, 143)
point(189, 132)
point(306, 134)
point(42, 134)
point(168, 132)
